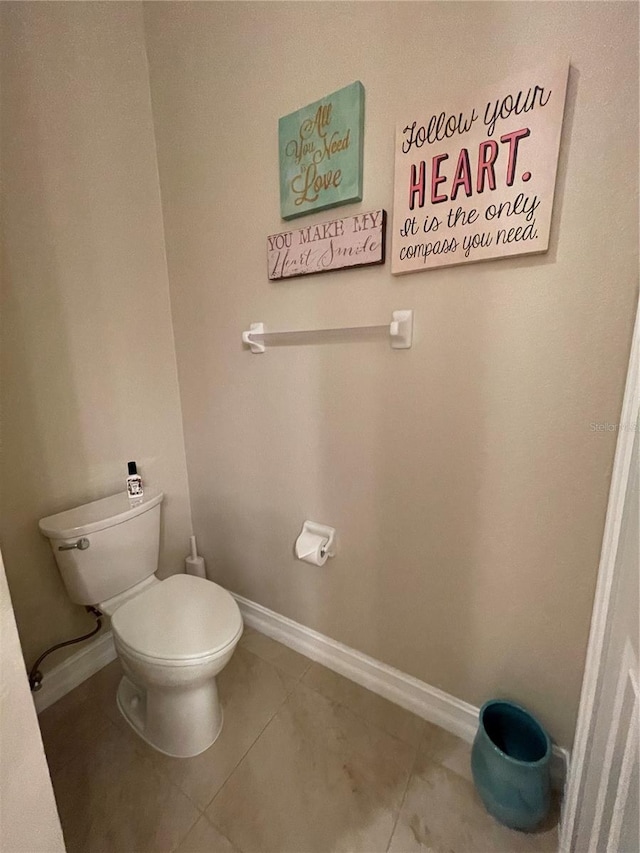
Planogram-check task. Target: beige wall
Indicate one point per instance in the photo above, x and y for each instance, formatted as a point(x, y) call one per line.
point(29, 820)
point(466, 484)
point(89, 376)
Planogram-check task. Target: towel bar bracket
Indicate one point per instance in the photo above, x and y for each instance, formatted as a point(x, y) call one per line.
point(247, 337)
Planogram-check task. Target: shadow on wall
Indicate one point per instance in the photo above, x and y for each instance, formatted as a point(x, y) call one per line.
point(40, 430)
point(44, 464)
point(82, 384)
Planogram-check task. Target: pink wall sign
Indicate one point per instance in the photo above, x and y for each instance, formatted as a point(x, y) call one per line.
point(474, 180)
point(355, 241)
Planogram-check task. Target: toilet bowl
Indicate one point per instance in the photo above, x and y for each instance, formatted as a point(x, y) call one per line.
point(172, 640)
point(172, 636)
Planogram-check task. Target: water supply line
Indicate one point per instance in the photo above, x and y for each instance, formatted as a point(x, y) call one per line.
point(35, 676)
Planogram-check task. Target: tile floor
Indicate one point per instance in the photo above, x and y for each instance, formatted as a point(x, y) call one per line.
point(307, 762)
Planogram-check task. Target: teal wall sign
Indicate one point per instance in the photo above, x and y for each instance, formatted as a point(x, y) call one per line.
point(321, 153)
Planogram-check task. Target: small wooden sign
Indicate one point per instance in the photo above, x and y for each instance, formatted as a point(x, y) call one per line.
point(475, 180)
point(356, 241)
point(320, 149)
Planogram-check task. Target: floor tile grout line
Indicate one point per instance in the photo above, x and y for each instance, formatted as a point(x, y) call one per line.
point(275, 665)
point(312, 663)
point(279, 670)
point(300, 680)
point(199, 816)
point(219, 791)
point(247, 751)
point(363, 718)
point(404, 795)
point(203, 816)
point(141, 751)
point(177, 787)
point(410, 774)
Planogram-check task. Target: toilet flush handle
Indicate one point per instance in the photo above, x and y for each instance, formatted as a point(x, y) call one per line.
point(81, 545)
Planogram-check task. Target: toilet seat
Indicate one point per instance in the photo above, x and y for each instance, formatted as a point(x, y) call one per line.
point(180, 621)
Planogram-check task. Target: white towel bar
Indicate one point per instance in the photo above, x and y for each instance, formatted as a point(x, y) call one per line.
point(400, 331)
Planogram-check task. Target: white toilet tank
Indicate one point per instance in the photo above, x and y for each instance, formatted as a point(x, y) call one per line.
point(118, 545)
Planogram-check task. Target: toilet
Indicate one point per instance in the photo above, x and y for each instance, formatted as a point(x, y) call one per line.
point(172, 636)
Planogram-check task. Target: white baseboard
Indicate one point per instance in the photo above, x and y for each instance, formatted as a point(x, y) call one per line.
point(74, 670)
point(434, 705)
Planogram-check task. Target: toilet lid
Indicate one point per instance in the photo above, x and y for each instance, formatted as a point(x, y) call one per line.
point(182, 618)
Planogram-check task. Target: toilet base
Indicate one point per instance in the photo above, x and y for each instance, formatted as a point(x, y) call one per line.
point(180, 723)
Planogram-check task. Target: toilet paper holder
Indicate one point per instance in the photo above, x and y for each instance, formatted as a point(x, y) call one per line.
point(313, 534)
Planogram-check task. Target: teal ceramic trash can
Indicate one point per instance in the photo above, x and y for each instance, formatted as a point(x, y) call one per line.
point(510, 762)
